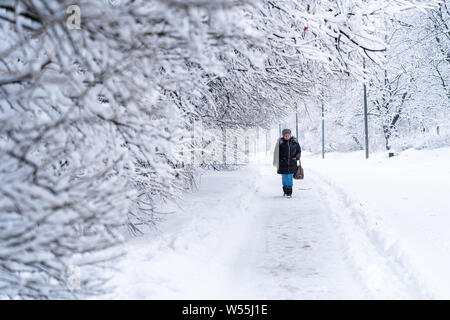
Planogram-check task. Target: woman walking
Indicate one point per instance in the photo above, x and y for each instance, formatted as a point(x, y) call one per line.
point(287, 152)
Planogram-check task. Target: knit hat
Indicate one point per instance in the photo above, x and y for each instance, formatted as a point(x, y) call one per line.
point(286, 131)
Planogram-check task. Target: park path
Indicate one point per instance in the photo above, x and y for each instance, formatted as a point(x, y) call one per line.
point(236, 237)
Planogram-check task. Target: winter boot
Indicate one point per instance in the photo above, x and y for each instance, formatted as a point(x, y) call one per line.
point(284, 191)
point(289, 191)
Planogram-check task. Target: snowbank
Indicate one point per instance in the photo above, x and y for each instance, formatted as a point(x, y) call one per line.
point(402, 204)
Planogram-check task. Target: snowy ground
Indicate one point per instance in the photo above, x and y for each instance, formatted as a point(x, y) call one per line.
point(401, 205)
point(353, 229)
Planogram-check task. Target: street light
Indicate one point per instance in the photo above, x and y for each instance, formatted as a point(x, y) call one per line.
point(323, 131)
point(366, 125)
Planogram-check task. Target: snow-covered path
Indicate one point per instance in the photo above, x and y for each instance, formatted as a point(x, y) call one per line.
point(238, 238)
point(291, 250)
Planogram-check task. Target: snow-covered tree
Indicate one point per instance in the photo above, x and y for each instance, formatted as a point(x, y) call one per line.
point(86, 131)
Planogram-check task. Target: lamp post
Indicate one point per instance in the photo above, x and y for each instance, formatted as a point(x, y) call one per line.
point(366, 122)
point(323, 131)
